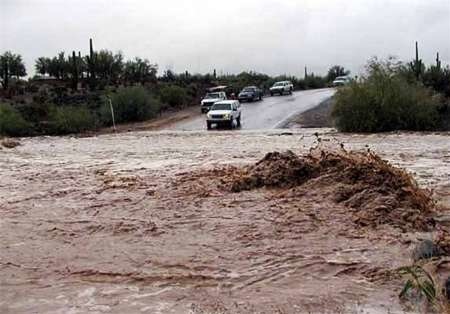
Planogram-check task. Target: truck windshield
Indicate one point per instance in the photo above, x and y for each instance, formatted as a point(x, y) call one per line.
point(221, 107)
point(279, 84)
point(212, 95)
point(248, 89)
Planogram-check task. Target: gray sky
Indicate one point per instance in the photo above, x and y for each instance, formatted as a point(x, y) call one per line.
point(270, 36)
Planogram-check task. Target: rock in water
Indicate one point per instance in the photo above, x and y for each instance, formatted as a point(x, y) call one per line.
point(426, 249)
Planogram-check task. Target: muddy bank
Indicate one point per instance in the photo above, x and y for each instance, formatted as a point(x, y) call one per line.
point(317, 117)
point(165, 120)
point(147, 222)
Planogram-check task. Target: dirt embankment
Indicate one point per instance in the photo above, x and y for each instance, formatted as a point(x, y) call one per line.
point(166, 119)
point(317, 117)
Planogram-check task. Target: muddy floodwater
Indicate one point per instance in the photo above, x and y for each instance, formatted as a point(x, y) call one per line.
point(137, 223)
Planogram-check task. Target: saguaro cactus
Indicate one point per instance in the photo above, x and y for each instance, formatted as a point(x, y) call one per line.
point(80, 65)
point(417, 64)
point(91, 64)
point(438, 61)
point(5, 73)
point(74, 71)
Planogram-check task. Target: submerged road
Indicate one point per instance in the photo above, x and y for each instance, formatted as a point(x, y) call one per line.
point(270, 113)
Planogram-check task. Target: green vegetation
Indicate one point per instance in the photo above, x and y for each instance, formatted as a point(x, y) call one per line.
point(11, 65)
point(391, 98)
point(11, 121)
point(130, 104)
point(421, 287)
point(65, 120)
point(174, 96)
point(419, 281)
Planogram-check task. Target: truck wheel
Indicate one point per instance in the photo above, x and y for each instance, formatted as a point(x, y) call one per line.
point(290, 91)
point(231, 124)
point(260, 97)
point(238, 121)
point(271, 94)
point(208, 125)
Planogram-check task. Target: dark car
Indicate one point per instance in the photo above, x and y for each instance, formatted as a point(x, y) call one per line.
point(250, 93)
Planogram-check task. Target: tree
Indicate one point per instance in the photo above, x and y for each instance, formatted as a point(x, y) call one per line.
point(11, 65)
point(42, 65)
point(108, 65)
point(336, 71)
point(140, 71)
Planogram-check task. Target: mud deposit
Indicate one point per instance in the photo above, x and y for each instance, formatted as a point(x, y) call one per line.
point(179, 222)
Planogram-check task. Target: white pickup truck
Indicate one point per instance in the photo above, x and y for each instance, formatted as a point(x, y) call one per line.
point(210, 99)
point(281, 88)
point(224, 113)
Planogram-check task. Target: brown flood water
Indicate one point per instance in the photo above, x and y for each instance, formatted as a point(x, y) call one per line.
point(133, 223)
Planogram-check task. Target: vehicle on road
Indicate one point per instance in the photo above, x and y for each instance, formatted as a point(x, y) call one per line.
point(224, 113)
point(341, 81)
point(210, 99)
point(281, 88)
point(250, 93)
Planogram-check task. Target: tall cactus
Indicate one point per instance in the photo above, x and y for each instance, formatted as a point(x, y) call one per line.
point(80, 65)
point(438, 61)
point(306, 72)
point(91, 64)
point(5, 72)
point(74, 71)
point(417, 65)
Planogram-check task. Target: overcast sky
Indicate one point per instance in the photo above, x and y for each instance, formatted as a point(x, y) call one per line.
point(271, 36)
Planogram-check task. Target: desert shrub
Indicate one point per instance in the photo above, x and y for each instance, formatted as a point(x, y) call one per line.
point(36, 111)
point(130, 104)
point(174, 96)
point(438, 79)
point(385, 101)
point(65, 120)
point(12, 123)
point(314, 81)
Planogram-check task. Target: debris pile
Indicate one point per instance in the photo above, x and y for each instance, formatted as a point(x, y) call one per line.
point(9, 143)
point(375, 192)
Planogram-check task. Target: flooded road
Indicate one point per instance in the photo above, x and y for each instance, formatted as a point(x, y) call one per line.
point(270, 113)
point(138, 223)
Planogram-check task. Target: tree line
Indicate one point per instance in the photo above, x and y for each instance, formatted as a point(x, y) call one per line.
point(107, 68)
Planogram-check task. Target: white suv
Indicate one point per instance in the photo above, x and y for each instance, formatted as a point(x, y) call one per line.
point(224, 113)
point(341, 81)
point(281, 88)
point(210, 99)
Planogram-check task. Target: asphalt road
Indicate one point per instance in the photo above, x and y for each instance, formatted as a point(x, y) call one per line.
point(270, 113)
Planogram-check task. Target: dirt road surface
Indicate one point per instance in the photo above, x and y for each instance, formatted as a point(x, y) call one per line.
point(270, 113)
point(135, 223)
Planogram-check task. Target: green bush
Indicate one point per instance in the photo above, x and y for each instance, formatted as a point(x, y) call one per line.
point(130, 104)
point(385, 101)
point(174, 96)
point(65, 120)
point(12, 123)
point(438, 79)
